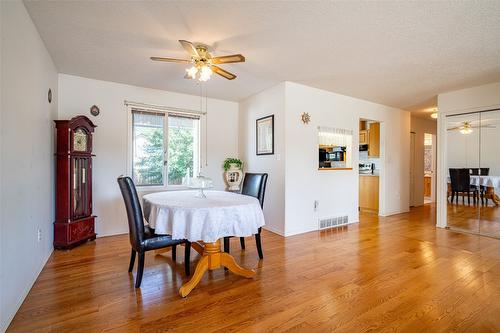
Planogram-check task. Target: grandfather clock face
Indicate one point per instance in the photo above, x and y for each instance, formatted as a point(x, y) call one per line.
point(79, 140)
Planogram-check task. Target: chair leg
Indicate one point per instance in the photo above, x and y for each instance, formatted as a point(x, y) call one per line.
point(187, 258)
point(140, 270)
point(132, 261)
point(226, 244)
point(259, 245)
point(468, 198)
point(242, 242)
point(174, 252)
point(452, 196)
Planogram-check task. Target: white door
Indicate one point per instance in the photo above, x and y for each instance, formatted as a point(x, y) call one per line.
point(412, 168)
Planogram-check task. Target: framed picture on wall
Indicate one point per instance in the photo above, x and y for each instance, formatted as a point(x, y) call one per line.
point(265, 135)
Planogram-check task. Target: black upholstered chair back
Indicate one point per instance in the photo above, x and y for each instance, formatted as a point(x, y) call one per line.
point(480, 171)
point(460, 180)
point(254, 185)
point(134, 211)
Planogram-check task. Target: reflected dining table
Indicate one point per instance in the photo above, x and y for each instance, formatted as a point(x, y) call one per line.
point(490, 183)
point(204, 221)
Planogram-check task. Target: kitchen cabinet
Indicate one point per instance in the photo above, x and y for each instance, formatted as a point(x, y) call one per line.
point(368, 193)
point(374, 140)
point(363, 137)
point(427, 186)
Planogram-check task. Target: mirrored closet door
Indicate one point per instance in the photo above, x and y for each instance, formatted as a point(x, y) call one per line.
point(473, 172)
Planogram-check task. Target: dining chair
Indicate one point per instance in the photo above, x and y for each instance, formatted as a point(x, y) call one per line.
point(254, 184)
point(482, 188)
point(143, 238)
point(460, 183)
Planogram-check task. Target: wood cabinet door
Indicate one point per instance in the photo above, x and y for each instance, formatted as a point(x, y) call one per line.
point(374, 140)
point(363, 137)
point(368, 193)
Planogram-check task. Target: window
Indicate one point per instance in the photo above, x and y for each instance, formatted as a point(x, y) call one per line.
point(165, 147)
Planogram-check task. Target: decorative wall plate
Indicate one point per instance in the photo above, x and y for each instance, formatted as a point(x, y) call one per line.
point(94, 110)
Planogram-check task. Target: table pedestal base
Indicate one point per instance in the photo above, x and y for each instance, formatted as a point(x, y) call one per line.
point(212, 258)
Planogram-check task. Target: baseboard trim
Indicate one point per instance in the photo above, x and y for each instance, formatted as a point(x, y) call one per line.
point(273, 230)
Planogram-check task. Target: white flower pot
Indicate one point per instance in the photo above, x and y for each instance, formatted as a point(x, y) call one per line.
point(233, 176)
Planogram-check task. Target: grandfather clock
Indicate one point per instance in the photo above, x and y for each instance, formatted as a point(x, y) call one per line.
point(74, 220)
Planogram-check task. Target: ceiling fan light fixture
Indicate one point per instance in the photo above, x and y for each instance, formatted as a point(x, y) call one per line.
point(191, 72)
point(205, 73)
point(466, 130)
point(434, 115)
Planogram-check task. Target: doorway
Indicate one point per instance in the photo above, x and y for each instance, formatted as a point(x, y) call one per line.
point(429, 168)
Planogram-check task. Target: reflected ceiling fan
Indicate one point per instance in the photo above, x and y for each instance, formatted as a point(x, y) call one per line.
point(203, 62)
point(467, 126)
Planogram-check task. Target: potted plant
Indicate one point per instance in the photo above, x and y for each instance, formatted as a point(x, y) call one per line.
point(232, 163)
point(233, 173)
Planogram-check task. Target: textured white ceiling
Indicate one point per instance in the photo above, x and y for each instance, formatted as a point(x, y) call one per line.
point(396, 53)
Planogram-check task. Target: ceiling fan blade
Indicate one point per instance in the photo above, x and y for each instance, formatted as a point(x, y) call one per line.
point(223, 73)
point(454, 128)
point(187, 77)
point(189, 47)
point(483, 126)
point(228, 59)
point(178, 61)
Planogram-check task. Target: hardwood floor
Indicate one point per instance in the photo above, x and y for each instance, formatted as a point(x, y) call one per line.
point(398, 273)
point(482, 219)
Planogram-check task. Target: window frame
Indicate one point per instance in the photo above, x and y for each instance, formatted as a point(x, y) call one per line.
point(131, 107)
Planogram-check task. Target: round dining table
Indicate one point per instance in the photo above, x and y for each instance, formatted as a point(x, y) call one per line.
point(203, 222)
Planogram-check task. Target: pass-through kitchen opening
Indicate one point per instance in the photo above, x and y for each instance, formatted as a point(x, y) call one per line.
point(369, 166)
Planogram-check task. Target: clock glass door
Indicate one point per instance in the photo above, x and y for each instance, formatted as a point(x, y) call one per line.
point(80, 187)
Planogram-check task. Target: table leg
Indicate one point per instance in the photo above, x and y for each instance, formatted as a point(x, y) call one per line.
point(198, 247)
point(212, 259)
point(490, 194)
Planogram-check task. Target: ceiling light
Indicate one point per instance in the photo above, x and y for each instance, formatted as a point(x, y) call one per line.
point(191, 72)
point(466, 130)
point(434, 115)
point(205, 73)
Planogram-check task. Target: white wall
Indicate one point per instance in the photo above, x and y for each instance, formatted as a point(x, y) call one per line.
point(295, 182)
point(337, 191)
point(420, 126)
point(27, 161)
point(268, 102)
point(478, 98)
point(77, 95)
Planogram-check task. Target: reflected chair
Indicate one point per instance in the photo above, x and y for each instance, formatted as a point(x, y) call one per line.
point(460, 183)
point(482, 188)
point(143, 238)
point(254, 184)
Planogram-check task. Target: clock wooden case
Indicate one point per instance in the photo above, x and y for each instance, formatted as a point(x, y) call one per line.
point(74, 223)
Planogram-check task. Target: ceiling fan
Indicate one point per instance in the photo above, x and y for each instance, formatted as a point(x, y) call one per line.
point(203, 62)
point(467, 126)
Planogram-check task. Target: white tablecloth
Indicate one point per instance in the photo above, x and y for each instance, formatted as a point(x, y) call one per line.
point(220, 214)
point(489, 181)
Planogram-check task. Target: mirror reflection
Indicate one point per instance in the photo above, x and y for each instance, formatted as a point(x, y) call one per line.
point(473, 165)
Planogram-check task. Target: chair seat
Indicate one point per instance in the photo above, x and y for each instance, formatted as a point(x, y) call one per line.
point(152, 241)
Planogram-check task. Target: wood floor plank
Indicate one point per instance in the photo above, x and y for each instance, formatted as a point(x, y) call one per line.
point(385, 274)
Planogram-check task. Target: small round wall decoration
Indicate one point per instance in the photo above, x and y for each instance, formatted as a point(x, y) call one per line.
point(306, 118)
point(49, 96)
point(94, 110)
